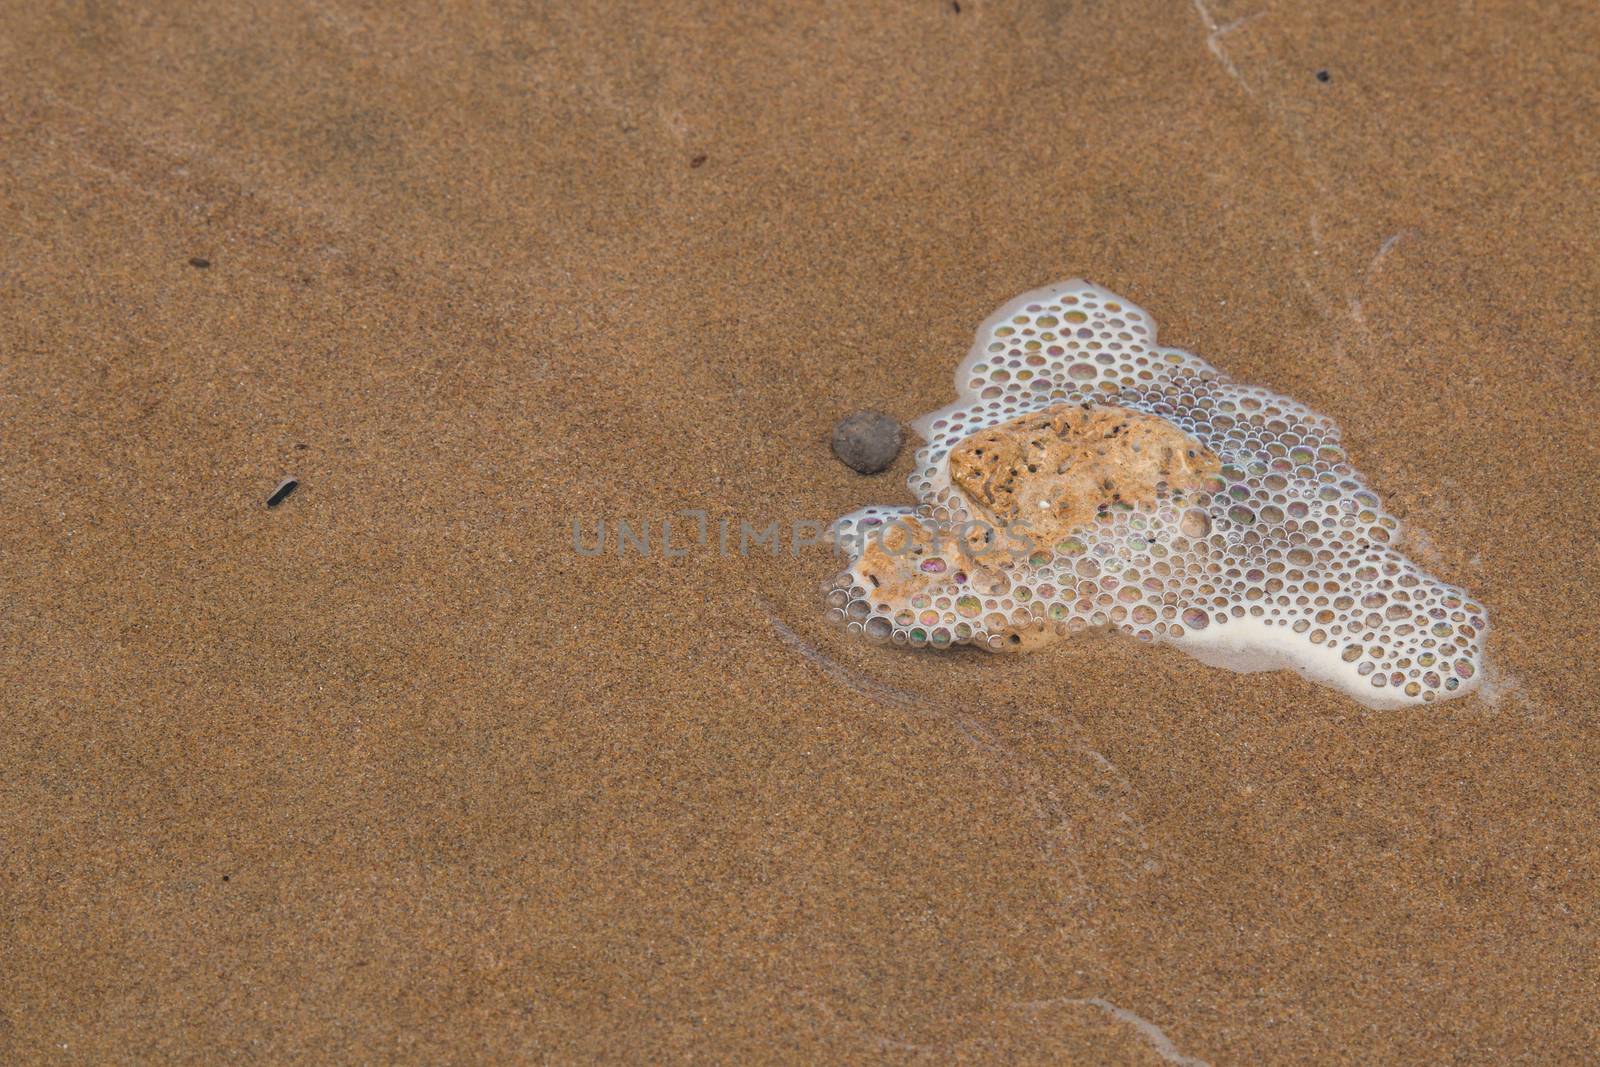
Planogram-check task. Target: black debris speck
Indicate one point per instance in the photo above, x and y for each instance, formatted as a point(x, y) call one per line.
point(955, 5)
point(283, 490)
point(697, 161)
point(1323, 75)
point(867, 441)
point(200, 262)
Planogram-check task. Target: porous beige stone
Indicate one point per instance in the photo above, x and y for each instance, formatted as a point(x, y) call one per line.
point(891, 559)
point(1058, 468)
point(1028, 483)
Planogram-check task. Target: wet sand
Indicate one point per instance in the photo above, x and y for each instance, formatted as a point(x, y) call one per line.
point(389, 773)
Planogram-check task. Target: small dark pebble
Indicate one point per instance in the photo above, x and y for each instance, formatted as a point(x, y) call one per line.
point(867, 441)
point(697, 161)
point(1323, 75)
point(955, 5)
point(197, 261)
point(281, 492)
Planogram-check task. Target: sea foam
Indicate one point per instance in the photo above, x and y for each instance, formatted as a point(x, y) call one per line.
point(1234, 528)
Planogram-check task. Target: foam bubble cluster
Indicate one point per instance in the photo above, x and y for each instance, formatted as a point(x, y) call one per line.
point(1253, 544)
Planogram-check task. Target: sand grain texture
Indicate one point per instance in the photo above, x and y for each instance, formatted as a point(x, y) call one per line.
point(388, 774)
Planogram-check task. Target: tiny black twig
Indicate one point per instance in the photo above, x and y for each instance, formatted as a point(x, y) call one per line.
point(283, 490)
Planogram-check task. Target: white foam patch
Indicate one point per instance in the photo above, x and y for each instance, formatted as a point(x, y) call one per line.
point(1284, 561)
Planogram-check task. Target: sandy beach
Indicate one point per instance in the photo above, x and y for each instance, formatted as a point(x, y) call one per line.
point(392, 772)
